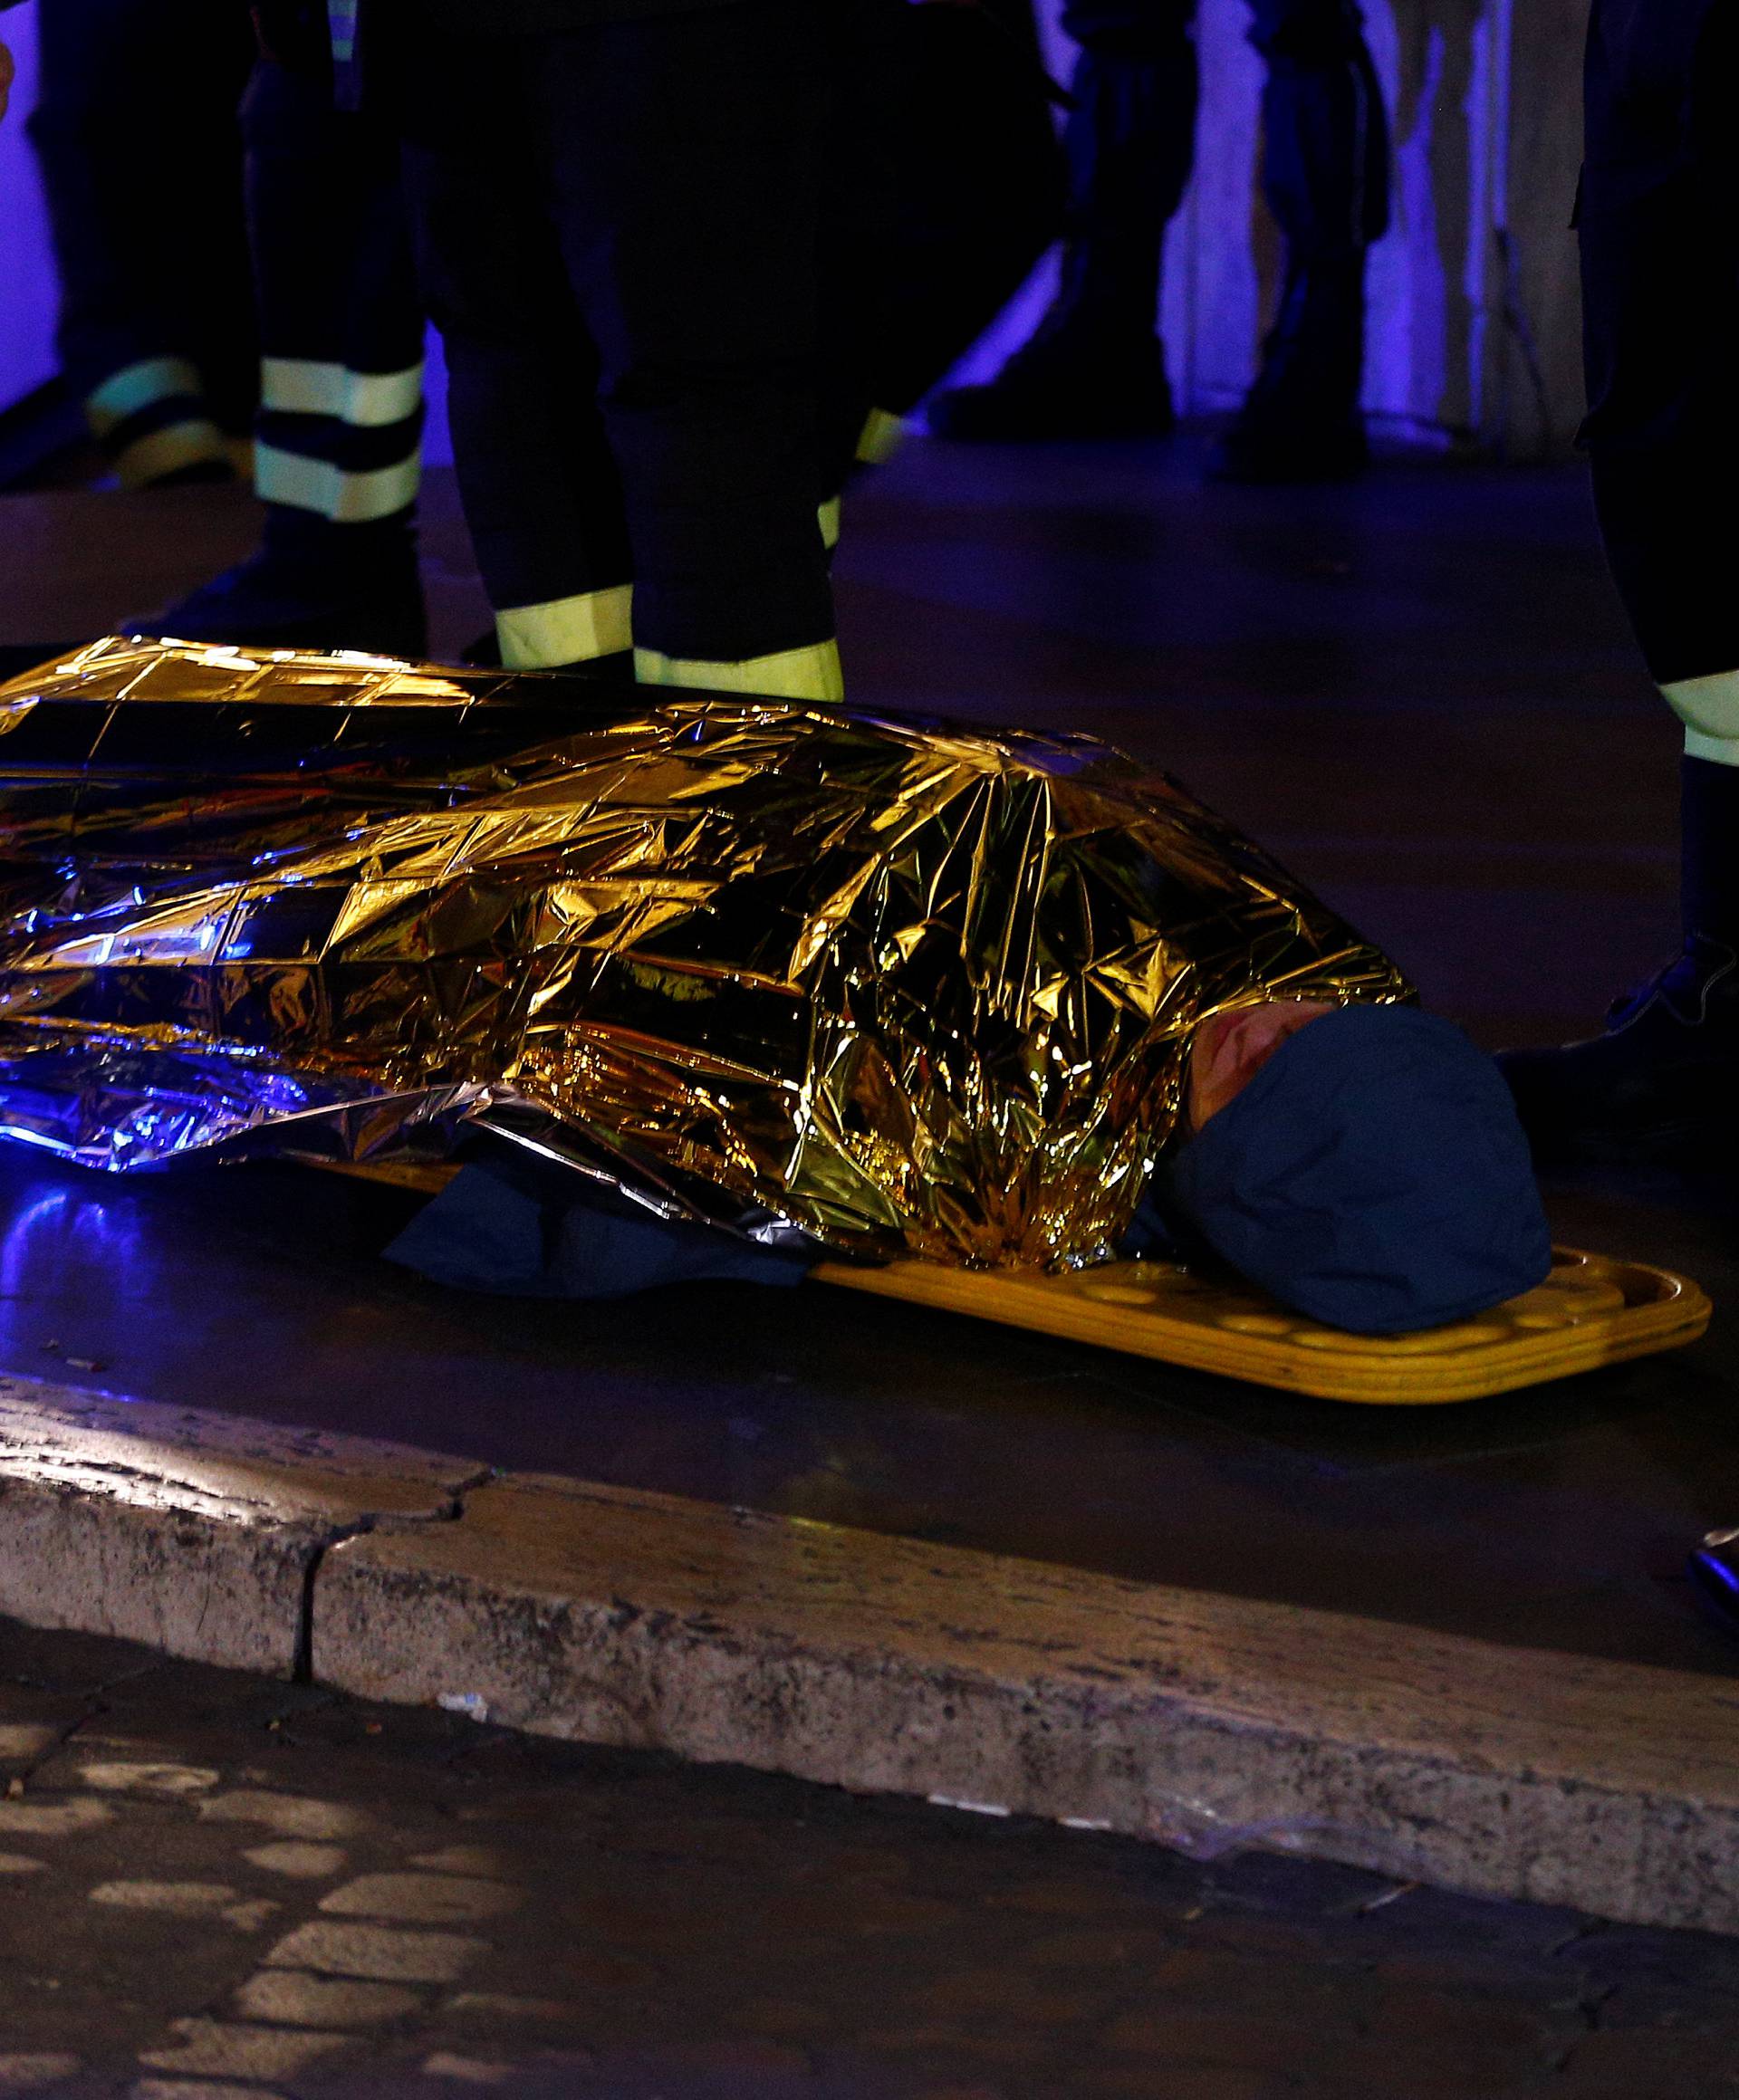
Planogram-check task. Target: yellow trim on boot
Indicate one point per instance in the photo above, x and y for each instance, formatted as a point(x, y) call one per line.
point(806, 673)
point(829, 517)
point(566, 630)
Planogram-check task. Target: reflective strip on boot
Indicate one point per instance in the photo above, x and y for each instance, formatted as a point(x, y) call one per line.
point(1709, 709)
point(566, 630)
point(135, 387)
point(364, 400)
point(882, 435)
point(346, 499)
point(829, 518)
point(806, 673)
point(197, 442)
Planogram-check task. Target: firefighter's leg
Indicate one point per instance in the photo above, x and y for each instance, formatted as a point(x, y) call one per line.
point(543, 498)
point(1660, 228)
point(339, 438)
point(1325, 175)
point(1095, 367)
point(685, 156)
point(136, 134)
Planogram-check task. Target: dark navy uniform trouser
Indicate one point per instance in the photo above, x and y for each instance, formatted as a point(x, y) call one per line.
point(339, 437)
point(619, 231)
point(136, 134)
point(1658, 221)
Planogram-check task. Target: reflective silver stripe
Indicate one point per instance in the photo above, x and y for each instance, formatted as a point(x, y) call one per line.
point(135, 387)
point(195, 442)
point(365, 400)
point(340, 19)
point(316, 485)
point(1718, 750)
point(882, 435)
point(1708, 706)
point(566, 630)
point(828, 517)
point(808, 674)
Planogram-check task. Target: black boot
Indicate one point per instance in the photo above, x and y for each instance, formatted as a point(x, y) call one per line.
point(1661, 1082)
point(1095, 366)
point(1325, 175)
point(313, 585)
point(1301, 421)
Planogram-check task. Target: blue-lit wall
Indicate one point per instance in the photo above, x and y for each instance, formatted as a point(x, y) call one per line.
point(1483, 97)
point(26, 273)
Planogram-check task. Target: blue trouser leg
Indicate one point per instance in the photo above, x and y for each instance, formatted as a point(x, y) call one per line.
point(1129, 141)
point(1325, 139)
point(1325, 176)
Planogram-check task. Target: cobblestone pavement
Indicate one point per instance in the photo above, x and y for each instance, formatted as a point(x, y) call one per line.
point(213, 1885)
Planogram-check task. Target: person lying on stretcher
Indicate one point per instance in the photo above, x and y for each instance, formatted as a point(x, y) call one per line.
point(1362, 1164)
point(789, 976)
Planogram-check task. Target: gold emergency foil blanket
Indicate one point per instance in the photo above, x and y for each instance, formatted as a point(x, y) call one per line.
point(908, 988)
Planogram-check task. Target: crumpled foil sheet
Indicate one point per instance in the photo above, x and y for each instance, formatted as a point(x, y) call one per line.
point(905, 987)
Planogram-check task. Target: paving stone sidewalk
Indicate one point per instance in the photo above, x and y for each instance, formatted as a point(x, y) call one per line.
point(213, 1885)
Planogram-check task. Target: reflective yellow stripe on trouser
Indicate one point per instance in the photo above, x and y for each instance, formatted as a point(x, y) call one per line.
point(1709, 709)
point(192, 440)
point(364, 400)
point(807, 674)
point(882, 435)
point(135, 387)
point(566, 630)
point(316, 485)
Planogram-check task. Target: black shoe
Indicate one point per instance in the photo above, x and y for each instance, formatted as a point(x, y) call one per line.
point(1063, 386)
point(1301, 421)
point(277, 600)
point(1660, 1086)
point(1302, 446)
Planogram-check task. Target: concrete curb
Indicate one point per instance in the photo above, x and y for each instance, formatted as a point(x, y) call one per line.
point(612, 1615)
point(193, 1532)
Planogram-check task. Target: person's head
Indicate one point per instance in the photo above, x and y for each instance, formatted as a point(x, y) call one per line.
point(1362, 1164)
point(1231, 1047)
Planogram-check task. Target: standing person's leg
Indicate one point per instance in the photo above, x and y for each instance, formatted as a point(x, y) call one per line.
point(338, 447)
point(1659, 228)
point(944, 189)
point(685, 155)
point(1095, 367)
point(1326, 176)
point(543, 497)
point(135, 131)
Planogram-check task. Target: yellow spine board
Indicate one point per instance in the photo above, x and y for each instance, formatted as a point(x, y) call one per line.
point(1591, 1310)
